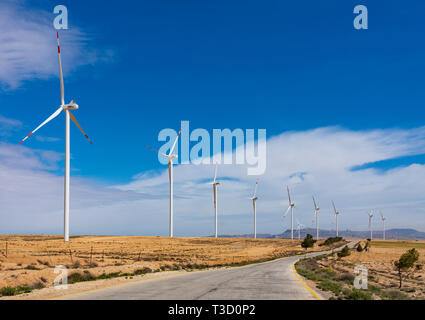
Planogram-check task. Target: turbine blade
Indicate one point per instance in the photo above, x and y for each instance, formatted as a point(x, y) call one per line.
point(175, 142)
point(314, 201)
point(60, 71)
point(78, 125)
point(286, 212)
point(255, 189)
point(54, 115)
point(289, 196)
point(215, 173)
point(333, 204)
point(156, 151)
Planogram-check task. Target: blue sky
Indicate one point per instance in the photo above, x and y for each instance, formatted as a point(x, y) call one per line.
point(136, 67)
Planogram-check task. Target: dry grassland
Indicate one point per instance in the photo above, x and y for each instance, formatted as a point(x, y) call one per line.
point(30, 259)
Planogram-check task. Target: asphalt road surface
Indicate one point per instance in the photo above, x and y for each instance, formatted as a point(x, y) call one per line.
point(264, 281)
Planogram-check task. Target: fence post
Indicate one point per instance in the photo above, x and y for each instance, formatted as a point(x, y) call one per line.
point(70, 254)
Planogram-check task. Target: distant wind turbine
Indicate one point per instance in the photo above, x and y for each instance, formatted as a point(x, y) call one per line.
point(290, 207)
point(370, 214)
point(299, 225)
point(336, 217)
point(67, 108)
point(316, 213)
point(170, 156)
point(254, 199)
point(215, 183)
point(383, 218)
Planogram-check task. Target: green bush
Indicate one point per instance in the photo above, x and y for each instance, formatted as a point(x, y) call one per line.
point(356, 294)
point(308, 241)
point(78, 277)
point(329, 285)
point(344, 252)
point(12, 291)
point(331, 240)
point(31, 267)
point(7, 291)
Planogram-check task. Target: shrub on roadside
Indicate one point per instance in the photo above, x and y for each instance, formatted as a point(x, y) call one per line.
point(331, 240)
point(344, 252)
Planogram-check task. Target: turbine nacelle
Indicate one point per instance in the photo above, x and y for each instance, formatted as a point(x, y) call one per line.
point(70, 106)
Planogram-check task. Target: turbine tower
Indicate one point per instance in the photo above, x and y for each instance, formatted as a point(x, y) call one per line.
point(67, 108)
point(370, 214)
point(383, 218)
point(290, 207)
point(215, 183)
point(336, 217)
point(316, 213)
point(254, 199)
point(170, 156)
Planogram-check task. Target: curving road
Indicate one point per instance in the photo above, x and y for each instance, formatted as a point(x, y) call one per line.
point(264, 281)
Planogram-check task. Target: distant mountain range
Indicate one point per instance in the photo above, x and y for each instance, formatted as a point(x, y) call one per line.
point(395, 234)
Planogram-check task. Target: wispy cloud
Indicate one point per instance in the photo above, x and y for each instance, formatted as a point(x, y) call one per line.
point(46, 139)
point(28, 45)
point(314, 162)
point(8, 125)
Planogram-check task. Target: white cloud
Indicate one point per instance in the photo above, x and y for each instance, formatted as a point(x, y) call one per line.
point(28, 45)
point(315, 162)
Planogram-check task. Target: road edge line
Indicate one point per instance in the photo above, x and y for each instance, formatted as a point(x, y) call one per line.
point(315, 294)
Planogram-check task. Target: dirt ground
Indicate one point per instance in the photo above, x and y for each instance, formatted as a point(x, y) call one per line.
point(379, 261)
point(30, 260)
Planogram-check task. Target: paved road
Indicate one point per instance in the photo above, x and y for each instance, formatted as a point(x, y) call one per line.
point(264, 281)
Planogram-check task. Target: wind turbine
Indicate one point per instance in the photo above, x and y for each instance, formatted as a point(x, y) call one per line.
point(67, 108)
point(370, 214)
point(170, 156)
point(383, 218)
point(215, 183)
point(336, 217)
point(290, 207)
point(254, 199)
point(299, 225)
point(316, 213)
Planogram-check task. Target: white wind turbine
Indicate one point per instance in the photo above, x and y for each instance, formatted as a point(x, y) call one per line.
point(336, 217)
point(370, 214)
point(383, 218)
point(170, 156)
point(290, 207)
point(316, 213)
point(299, 226)
point(254, 199)
point(215, 183)
point(67, 108)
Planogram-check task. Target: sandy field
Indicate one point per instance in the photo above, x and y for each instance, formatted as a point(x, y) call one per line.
point(30, 259)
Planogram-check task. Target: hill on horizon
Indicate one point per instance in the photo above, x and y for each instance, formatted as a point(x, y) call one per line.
point(390, 234)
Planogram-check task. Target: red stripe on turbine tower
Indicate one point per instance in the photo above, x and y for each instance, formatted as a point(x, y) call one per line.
point(57, 36)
